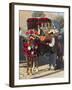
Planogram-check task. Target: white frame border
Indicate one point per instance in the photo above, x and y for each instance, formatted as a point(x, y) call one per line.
point(16, 44)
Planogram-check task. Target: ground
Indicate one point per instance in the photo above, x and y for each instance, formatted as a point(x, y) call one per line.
point(42, 73)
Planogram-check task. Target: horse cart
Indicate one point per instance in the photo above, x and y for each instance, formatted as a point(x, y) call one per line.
point(36, 43)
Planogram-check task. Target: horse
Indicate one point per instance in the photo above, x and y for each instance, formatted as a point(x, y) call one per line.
point(31, 53)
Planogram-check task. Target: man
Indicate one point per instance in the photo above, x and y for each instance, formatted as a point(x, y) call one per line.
point(52, 52)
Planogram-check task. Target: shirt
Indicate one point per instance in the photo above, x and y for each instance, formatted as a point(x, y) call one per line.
point(52, 42)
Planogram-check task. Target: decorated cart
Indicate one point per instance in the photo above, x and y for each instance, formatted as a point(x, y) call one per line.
point(38, 37)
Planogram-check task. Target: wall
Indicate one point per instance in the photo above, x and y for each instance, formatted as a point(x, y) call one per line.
point(4, 44)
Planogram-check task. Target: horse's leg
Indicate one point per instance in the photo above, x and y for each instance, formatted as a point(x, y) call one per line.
point(27, 66)
point(30, 70)
point(62, 61)
point(36, 63)
point(61, 55)
point(33, 64)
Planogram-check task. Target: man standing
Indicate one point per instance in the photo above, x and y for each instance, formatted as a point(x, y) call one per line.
point(52, 52)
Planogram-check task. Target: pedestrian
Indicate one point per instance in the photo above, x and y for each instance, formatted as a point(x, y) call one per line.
point(52, 52)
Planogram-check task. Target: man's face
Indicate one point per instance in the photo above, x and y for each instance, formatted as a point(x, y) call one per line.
point(52, 35)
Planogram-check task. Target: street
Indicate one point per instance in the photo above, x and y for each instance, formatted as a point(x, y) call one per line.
point(55, 75)
point(42, 73)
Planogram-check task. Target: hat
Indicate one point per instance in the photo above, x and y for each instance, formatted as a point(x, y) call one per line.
point(50, 32)
point(53, 31)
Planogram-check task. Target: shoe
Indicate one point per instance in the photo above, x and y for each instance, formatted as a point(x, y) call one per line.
point(33, 70)
point(52, 67)
point(36, 69)
point(49, 67)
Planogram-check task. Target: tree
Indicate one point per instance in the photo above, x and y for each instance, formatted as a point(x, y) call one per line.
point(60, 19)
